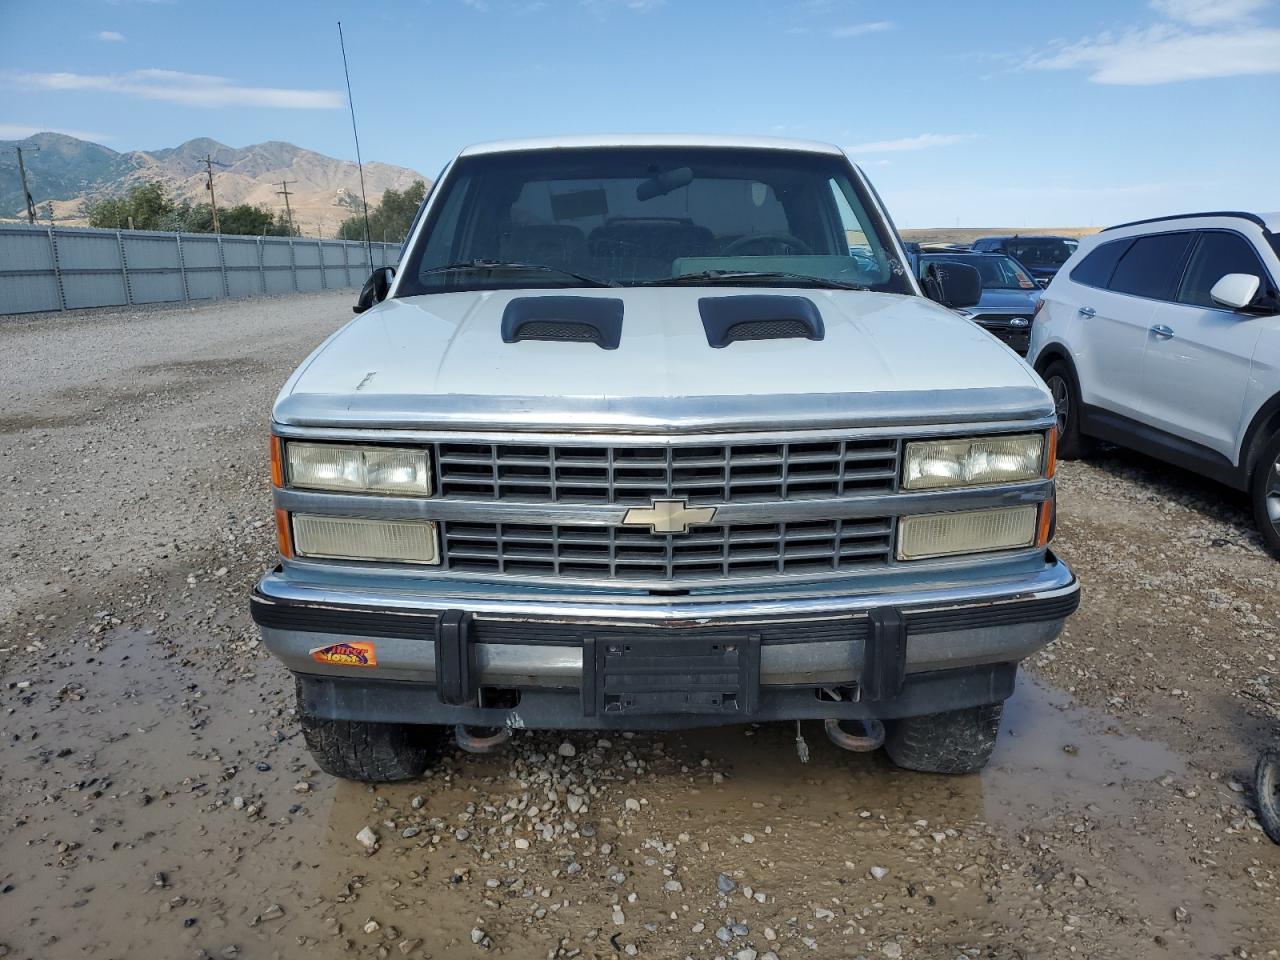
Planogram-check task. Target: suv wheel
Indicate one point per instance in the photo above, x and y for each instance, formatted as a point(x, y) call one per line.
point(1265, 492)
point(958, 741)
point(371, 752)
point(1072, 444)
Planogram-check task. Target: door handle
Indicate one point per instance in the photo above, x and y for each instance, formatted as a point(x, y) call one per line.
point(1086, 311)
point(1163, 332)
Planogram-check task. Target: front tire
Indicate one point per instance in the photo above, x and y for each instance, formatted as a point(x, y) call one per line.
point(371, 752)
point(1264, 491)
point(1061, 381)
point(954, 742)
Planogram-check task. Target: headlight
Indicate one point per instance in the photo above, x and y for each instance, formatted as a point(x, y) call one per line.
point(968, 531)
point(350, 538)
point(345, 468)
point(970, 463)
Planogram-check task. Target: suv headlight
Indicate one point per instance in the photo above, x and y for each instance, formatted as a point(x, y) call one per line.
point(931, 464)
point(347, 468)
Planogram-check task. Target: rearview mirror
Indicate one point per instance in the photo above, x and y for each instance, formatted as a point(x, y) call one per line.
point(1236, 290)
point(374, 289)
point(952, 284)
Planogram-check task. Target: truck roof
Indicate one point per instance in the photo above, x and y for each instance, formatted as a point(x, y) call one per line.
point(650, 140)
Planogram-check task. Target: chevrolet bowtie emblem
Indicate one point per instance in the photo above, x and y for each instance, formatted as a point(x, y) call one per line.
point(668, 516)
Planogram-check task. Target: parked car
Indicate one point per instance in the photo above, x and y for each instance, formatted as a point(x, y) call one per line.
point(1009, 294)
point(629, 440)
point(1164, 335)
point(1043, 256)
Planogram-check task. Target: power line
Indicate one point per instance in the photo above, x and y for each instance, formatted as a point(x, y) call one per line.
point(213, 201)
point(26, 194)
point(284, 192)
point(368, 244)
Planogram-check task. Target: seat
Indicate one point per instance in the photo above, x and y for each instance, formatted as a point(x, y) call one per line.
point(644, 249)
point(549, 244)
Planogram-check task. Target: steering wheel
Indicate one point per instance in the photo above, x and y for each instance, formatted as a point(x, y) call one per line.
point(785, 244)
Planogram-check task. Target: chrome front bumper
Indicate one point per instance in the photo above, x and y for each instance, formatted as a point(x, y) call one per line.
point(531, 643)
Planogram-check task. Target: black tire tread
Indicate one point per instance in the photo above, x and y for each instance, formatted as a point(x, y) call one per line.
point(371, 752)
point(954, 742)
point(1267, 785)
point(1257, 486)
point(1072, 444)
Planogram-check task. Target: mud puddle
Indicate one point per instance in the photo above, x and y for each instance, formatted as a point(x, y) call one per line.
point(160, 804)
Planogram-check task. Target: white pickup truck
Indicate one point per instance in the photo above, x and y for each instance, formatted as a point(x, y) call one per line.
point(658, 432)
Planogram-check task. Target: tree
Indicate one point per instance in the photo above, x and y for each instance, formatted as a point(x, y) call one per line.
point(391, 218)
point(149, 206)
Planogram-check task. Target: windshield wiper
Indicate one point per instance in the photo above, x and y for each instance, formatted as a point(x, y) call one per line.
point(477, 265)
point(737, 276)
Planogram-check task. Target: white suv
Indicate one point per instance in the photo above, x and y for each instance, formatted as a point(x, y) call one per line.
point(1164, 335)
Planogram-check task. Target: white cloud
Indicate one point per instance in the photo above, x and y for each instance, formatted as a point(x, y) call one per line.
point(20, 131)
point(111, 36)
point(861, 29)
point(600, 8)
point(188, 89)
point(1208, 13)
point(1164, 54)
point(1198, 40)
point(921, 141)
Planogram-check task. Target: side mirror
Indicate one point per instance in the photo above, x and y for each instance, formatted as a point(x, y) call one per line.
point(953, 284)
point(374, 289)
point(1236, 290)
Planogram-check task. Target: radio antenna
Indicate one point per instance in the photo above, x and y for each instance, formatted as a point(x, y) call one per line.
point(368, 246)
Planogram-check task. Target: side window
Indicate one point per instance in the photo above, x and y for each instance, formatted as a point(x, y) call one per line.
point(1096, 268)
point(1150, 267)
point(1215, 255)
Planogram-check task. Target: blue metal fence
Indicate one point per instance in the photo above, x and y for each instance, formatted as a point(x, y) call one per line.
point(66, 268)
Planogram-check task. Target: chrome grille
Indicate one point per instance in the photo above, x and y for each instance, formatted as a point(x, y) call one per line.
point(712, 551)
point(713, 473)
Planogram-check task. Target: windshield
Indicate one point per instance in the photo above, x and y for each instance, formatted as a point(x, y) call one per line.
point(625, 216)
point(997, 272)
point(1041, 251)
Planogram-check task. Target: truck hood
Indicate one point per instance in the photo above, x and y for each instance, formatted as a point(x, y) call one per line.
point(439, 361)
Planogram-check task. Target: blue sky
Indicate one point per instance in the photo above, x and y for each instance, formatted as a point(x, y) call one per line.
point(991, 113)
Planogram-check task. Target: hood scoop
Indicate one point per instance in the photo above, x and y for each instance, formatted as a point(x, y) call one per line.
point(595, 320)
point(759, 317)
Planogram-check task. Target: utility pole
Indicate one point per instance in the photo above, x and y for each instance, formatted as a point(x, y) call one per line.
point(284, 192)
point(213, 201)
point(22, 172)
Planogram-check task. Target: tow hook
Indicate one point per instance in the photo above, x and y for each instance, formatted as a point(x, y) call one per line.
point(480, 739)
point(872, 737)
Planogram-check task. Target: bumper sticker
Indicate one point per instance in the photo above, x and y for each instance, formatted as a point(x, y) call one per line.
point(356, 654)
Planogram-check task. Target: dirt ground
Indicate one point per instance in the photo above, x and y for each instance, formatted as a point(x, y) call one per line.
point(156, 799)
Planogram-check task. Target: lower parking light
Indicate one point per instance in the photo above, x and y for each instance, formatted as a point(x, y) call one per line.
point(968, 531)
point(353, 538)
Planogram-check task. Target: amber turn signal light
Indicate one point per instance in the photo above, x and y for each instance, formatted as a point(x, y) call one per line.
point(284, 535)
point(1051, 458)
point(277, 461)
point(1044, 529)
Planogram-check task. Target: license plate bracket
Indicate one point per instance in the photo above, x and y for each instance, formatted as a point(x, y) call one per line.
point(624, 676)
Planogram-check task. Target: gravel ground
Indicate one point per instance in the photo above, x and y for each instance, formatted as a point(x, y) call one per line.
point(156, 799)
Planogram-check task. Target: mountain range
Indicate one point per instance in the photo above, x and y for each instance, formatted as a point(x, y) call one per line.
point(66, 173)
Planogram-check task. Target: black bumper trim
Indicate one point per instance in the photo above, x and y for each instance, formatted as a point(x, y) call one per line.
point(372, 622)
point(398, 701)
